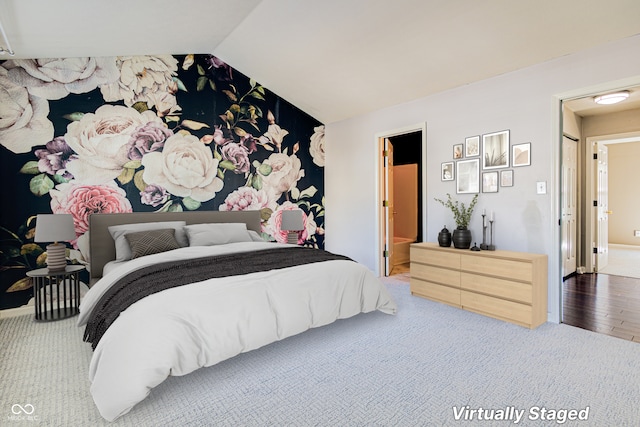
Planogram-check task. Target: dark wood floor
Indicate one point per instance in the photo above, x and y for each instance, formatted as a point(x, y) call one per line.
point(606, 304)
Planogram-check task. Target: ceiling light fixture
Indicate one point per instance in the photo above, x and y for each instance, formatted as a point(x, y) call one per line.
point(611, 98)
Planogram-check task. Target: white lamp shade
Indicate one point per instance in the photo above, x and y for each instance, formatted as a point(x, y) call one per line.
point(292, 220)
point(54, 228)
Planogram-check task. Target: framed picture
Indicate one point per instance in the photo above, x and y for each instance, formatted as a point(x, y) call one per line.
point(457, 151)
point(447, 172)
point(468, 176)
point(489, 182)
point(472, 146)
point(506, 178)
point(495, 150)
point(521, 155)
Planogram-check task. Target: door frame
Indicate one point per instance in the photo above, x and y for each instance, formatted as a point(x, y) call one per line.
point(380, 185)
point(555, 259)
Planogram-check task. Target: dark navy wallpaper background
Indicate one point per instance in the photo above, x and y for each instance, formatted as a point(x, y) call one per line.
point(146, 133)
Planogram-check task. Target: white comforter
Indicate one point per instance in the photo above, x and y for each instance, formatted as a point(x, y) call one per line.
point(179, 330)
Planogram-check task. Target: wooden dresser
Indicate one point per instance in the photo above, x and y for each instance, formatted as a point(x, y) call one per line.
point(510, 286)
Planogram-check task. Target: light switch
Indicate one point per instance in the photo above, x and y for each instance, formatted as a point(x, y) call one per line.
point(541, 187)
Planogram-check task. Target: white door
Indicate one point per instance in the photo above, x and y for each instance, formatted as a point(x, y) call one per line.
point(602, 215)
point(569, 205)
point(389, 206)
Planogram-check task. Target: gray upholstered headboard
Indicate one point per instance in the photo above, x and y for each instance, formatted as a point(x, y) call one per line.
point(102, 247)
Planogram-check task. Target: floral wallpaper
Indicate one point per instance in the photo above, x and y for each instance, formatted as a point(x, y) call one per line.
point(146, 133)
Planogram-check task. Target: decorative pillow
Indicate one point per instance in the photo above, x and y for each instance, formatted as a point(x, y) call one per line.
point(217, 234)
point(123, 252)
point(152, 242)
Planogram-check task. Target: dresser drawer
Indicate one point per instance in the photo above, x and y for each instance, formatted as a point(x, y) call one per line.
point(434, 257)
point(498, 308)
point(516, 270)
point(436, 274)
point(502, 288)
point(436, 292)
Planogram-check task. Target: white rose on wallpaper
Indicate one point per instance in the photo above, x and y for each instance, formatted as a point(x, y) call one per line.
point(23, 117)
point(101, 141)
point(316, 149)
point(276, 134)
point(145, 79)
point(285, 174)
point(165, 103)
point(185, 168)
point(56, 78)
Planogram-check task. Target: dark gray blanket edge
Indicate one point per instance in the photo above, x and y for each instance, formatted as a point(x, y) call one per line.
point(158, 277)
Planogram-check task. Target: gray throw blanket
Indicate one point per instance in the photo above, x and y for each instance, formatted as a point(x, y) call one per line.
point(155, 278)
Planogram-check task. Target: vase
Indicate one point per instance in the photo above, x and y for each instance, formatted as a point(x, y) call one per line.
point(461, 238)
point(444, 237)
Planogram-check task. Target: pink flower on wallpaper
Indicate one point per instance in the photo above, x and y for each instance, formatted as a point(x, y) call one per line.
point(245, 199)
point(82, 200)
point(273, 225)
point(154, 195)
point(219, 136)
point(54, 157)
point(147, 138)
point(237, 155)
point(250, 143)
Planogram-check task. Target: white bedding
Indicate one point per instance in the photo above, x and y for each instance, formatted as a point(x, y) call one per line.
point(179, 330)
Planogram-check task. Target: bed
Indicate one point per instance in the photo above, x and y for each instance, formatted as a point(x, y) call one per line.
point(199, 300)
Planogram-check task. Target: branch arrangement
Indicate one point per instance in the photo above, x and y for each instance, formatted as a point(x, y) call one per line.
point(461, 213)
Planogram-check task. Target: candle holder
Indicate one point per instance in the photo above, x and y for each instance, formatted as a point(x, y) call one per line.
point(484, 245)
point(491, 246)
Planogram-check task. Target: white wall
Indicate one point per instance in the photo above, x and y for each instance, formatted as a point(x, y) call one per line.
point(525, 102)
point(624, 199)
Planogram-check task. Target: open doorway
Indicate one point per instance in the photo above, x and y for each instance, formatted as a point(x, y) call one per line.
point(600, 152)
point(600, 292)
point(402, 186)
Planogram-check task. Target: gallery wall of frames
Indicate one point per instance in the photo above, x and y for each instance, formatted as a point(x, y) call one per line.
point(146, 133)
point(485, 163)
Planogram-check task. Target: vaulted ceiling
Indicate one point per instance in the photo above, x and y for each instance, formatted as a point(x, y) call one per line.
point(334, 59)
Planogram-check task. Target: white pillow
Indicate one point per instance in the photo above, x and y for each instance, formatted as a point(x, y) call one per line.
point(123, 251)
point(255, 236)
point(217, 233)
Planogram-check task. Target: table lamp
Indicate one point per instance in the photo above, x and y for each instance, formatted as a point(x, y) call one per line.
point(292, 222)
point(55, 228)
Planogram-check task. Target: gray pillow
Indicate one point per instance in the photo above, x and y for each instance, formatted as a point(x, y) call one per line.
point(217, 233)
point(123, 252)
point(151, 242)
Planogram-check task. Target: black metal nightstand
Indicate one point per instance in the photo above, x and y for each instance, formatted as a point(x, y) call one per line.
point(63, 286)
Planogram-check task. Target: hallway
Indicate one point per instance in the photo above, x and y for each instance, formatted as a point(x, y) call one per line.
point(603, 303)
